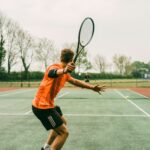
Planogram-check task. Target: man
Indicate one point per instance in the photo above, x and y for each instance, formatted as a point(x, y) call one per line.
point(43, 104)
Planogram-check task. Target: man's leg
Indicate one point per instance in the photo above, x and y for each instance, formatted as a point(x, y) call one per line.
point(51, 137)
point(53, 134)
point(62, 134)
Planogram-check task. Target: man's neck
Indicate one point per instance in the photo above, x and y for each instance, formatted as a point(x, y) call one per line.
point(63, 64)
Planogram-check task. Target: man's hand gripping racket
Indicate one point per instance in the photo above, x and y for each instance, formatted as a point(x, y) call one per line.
point(69, 68)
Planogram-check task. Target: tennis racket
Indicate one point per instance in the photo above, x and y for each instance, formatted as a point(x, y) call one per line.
point(85, 35)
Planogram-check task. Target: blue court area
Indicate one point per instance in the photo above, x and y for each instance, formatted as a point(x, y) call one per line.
point(119, 119)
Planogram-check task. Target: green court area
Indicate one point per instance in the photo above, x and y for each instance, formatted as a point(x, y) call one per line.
point(119, 119)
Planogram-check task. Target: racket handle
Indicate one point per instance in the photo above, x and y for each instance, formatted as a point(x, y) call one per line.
point(75, 59)
point(72, 63)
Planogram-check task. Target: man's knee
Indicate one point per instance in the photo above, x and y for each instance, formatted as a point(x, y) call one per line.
point(65, 132)
point(62, 130)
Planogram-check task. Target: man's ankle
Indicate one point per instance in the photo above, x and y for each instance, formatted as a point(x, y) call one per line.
point(46, 147)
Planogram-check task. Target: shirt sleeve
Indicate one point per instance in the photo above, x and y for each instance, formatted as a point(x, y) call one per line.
point(53, 73)
point(52, 67)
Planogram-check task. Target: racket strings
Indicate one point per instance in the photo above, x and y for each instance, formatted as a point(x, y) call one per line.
point(86, 32)
point(85, 35)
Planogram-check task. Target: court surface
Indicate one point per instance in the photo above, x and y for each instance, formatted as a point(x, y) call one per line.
point(119, 119)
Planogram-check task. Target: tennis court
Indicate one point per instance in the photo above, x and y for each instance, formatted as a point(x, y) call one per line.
point(119, 119)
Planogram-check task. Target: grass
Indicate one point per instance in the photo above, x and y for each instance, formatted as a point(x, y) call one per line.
point(108, 83)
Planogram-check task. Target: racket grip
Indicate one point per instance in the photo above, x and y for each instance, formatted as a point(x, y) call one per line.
point(72, 63)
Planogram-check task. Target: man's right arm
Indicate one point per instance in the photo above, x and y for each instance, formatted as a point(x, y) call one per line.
point(54, 73)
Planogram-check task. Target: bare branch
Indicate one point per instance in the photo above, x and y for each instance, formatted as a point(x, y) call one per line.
point(46, 52)
point(100, 63)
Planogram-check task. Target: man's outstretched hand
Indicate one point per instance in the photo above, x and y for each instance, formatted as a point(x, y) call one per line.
point(99, 88)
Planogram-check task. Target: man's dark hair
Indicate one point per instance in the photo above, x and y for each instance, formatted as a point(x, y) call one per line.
point(67, 55)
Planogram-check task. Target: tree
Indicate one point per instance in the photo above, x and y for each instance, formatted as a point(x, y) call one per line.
point(2, 23)
point(82, 62)
point(46, 52)
point(140, 68)
point(11, 45)
point(2, 41)
point(2, 51)
point(128, 66)
point(122, 63)
point(148, 65)
point(139, 65)
point(99, 63)
point(25, 46)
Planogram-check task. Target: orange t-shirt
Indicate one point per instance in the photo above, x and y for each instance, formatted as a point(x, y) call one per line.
point(49, 88)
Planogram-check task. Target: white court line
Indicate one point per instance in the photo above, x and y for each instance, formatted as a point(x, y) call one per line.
point(138, 93)
point(20, 91)
point(28, 112)
point(80, 115)
point(59, 96)
point(147, 114)
point(7, 114)
point(99, 115)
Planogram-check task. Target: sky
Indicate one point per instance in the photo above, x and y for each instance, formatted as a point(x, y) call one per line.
point(121, 26)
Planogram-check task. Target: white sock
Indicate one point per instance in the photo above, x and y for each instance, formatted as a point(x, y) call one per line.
point(46, 146)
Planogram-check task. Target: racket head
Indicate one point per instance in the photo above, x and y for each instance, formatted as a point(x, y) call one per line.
point(86, 31)
point(85, 35)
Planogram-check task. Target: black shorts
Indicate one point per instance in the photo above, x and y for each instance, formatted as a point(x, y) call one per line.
point(50, 118)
